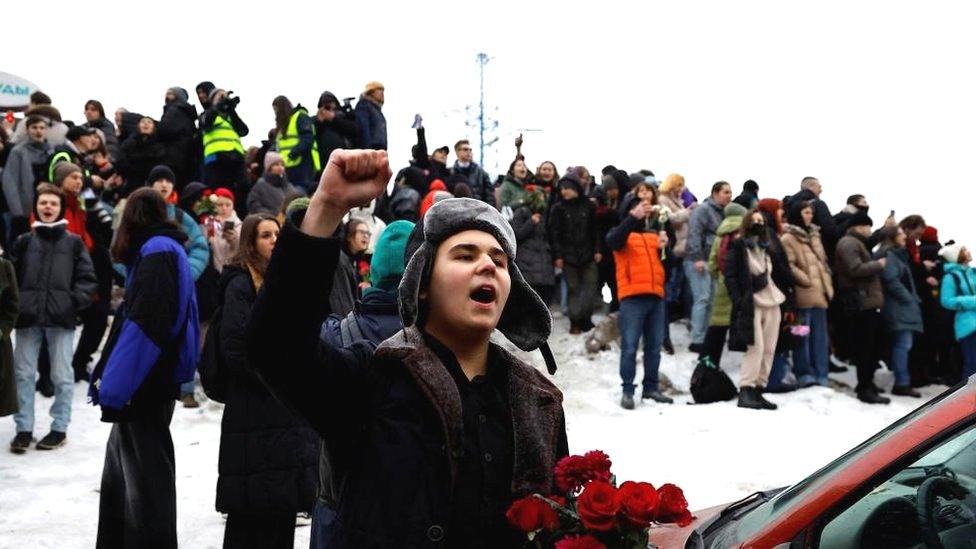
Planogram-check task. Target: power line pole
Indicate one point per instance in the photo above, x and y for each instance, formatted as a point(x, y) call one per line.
point(482, 61)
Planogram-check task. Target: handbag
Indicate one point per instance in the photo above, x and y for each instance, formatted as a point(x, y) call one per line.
point(709, 383)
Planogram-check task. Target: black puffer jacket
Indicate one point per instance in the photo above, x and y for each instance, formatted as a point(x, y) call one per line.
point(56, 276)
point(268, 456)
point(572, 229)
point(534, 258)
point(177, 127)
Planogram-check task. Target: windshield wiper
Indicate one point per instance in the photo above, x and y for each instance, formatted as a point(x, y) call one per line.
point(744, 502)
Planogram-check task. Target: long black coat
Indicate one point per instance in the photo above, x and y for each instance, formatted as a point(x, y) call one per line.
point(738, 282)
point(572, 231)
point(392, 421)
point(534, 258)
point(8, 317)
point(177, 127)
point(268, 456)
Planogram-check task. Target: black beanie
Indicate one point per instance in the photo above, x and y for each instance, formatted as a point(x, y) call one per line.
point(860, 218)
point(750, 186)
point(161, 171)
point(572, 182)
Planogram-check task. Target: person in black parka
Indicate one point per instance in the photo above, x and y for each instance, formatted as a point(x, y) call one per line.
point(177, 128)
point(268, 456)
point(436, 431)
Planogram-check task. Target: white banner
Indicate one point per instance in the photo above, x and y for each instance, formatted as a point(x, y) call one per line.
point(15, 91)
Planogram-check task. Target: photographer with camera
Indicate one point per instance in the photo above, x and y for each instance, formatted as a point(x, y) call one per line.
point(223, 154)
point(335, 125)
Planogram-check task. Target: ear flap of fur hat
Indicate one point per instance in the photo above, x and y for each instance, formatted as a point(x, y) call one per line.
point(526, 320)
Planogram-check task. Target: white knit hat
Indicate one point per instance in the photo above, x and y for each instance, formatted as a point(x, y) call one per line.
point(951, 253)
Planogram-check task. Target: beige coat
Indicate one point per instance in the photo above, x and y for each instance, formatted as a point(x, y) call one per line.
point(808, 262)
point(679, 216)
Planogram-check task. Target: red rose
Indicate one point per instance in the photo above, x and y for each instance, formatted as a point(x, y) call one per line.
point(598, 506)
point(673, 506)
point(573, 472)
point(531, 513)
point(579, 542)
point(638, 503)
point(530, 188)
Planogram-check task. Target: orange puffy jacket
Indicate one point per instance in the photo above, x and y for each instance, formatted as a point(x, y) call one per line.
point(639, 267)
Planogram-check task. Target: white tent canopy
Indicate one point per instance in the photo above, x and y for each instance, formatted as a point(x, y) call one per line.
point(15, 91)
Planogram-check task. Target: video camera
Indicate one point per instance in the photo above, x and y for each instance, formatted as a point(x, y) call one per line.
point(228, 103)
point(347, 105)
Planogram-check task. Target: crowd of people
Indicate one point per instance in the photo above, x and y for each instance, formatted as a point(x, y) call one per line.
point(185, 219)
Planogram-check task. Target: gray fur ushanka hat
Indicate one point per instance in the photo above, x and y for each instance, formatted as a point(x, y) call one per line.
point(525, 320)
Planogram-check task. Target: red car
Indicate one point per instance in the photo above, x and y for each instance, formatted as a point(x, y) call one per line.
point(911, 485)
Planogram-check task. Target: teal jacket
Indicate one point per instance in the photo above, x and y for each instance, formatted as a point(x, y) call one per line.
point(960, 298)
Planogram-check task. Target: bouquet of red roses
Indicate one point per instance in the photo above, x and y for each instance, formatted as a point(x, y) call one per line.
point(592, 512)
point(535, 199)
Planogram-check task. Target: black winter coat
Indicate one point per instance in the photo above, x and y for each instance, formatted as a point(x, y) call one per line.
point(139, 154)
point(572, 231)
point(176, 130)
point(268, 456)
point(56, 277)
point(534, 258)
point(739, 283)
point(392, 420)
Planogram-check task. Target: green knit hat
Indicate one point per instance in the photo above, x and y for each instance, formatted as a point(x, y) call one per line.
point(386, 267)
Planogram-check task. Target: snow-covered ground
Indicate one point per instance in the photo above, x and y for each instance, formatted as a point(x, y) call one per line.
point(716, 452)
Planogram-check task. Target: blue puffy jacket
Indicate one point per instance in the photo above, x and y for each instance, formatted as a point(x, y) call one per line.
point(154, 344)
point(958, 294)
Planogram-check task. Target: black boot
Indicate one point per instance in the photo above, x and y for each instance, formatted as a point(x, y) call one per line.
point(667, 346)
point(870, 396)
point(767, 405)
point(627, 402)
point(749, 398)
point(905, 391)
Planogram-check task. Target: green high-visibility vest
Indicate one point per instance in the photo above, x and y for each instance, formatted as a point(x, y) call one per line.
point(221, 137)
point(289, 141)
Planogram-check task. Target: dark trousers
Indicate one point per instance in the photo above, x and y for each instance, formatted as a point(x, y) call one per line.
point(229, 172)
point(714, 344)
point(246, 531)
point(137, 505)
point(864, 328)
point(581, 281)
point(94, 322)
point(323, 524)
point(607, 271)
point(839, 329)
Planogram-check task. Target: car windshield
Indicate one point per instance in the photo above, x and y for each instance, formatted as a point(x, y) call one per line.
point(763, 514)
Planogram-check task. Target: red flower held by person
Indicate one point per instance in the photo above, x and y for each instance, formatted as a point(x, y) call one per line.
point(530, 514)
point(579, 542)
point(530, 188)
point(673, 507)
point(573, 472)
point(638, 503)
point(598, 506)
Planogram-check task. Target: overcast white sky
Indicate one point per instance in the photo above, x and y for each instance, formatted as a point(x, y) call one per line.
point(872, 97)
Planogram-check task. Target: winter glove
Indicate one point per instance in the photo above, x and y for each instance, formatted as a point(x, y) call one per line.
point(759, 282)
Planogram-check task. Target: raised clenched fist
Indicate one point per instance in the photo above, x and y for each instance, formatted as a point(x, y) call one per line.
point(352, 178)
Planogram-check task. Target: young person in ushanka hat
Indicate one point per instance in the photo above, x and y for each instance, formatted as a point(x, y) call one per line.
point(437, 430)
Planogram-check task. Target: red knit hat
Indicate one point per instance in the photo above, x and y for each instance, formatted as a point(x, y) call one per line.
point(224, 192)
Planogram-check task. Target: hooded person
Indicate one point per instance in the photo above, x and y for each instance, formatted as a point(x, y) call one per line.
point(176, 130)
point(268, 193)
point(443, 429)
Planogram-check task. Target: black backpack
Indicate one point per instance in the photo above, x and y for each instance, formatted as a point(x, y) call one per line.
point(211, 368)
point(709, 383)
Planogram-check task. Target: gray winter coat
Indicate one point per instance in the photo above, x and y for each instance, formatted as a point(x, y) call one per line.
point(701, 230)
point(18, 177)
point(268, 194)
point(902, 309)
point(56, 276)
point(534, 258)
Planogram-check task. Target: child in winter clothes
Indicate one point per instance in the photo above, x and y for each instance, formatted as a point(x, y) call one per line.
point(436, 431)
point(575, 249)
point(959, 294)
point(223, 230)
point(57, 281)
